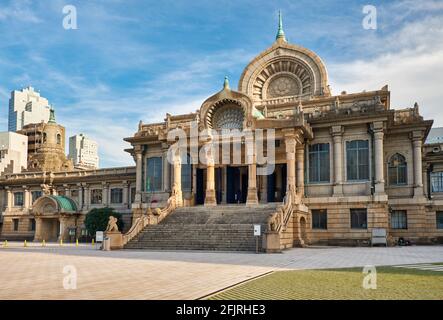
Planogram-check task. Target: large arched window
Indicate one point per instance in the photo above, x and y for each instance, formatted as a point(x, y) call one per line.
point(397, 170)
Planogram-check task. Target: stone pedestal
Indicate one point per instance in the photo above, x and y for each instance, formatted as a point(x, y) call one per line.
point(116, 239)
point(271, 242)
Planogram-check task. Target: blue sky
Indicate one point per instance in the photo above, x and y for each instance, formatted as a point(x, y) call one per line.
point(136, 60)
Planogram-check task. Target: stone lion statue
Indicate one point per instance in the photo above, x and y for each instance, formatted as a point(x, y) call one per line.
point(112, 224)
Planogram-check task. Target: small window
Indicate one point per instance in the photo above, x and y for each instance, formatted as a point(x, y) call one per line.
point(319, 219)
point(96, 196)
point(59, 138)
point(359, 219)
point(154, 175)
point(186, 174)
point(439, 216)
point(397, 170)
point(74, 193)
point(15, 224)
point(437, 181)
point(399, 219)
point(117, 195)
point(357, 160)
point(18, 199)
point(277, 143)
point(31, 224)
point(35, 195)
point(319, 162)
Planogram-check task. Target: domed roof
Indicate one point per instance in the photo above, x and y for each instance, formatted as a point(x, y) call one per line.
point(284, 70)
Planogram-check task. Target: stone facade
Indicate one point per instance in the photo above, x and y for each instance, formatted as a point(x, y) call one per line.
point(372, 171)
point(88, 189)
point(343, 164)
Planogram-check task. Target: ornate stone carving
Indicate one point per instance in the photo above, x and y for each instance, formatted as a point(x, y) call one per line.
point(228, 117)
point(112, 224)
point(283, 86)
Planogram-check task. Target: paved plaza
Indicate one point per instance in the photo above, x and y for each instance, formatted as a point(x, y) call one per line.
point(36, 272)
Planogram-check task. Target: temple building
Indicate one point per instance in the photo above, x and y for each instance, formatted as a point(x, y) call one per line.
point(342, 165)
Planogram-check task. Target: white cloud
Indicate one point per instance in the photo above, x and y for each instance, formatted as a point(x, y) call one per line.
point(409, 60)
point(19, 10)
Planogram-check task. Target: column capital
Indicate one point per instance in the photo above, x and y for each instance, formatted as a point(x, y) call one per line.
point(337, 131)
point(138, 149)
point(416, 135)
point(377, 126)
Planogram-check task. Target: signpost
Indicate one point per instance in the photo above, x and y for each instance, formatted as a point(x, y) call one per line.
point(257, 234)
point(98, 237)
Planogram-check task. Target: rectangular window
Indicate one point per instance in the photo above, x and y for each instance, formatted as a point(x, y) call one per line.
point(35, 195)
point(117, 195)
point(18, 199)
point(437, 181)
point(359, 219)
point(439, 216)
point(399, 219)
point(74, 193)
point(15, 224)
point(319, 219)
point(96, 196)
point(357, 160)
point(319, 162)
point(154, 174)
point(31, 224)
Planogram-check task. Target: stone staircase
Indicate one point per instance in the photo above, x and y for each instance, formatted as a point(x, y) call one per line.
point(223, 228)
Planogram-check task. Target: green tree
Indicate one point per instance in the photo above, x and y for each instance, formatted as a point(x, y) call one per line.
point(97, 219)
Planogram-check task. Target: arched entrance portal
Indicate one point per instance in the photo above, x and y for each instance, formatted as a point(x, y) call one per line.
point(54, 216)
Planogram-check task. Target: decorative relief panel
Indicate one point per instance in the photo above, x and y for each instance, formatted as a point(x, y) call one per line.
point(283, 86)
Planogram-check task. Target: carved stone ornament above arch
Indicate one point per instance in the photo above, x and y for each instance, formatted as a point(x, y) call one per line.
point(284, 70)
point(226, 109)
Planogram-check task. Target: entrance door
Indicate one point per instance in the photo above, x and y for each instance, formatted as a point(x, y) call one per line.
point(200, 198)
point(233, 184)
point(271, 187)
point(218, 184)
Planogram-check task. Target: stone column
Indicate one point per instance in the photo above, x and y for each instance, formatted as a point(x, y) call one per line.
point(125, 193)
point(337, 137)
point(177, 181)
point(300, 155)
point(378, 156)
point(291, 144)
point(80, 196)
point(9, 199)
point(105, 199)
point(210, 199)
point(38, 234)
point(87, 200)
point(264, 189)
point(138, 176)
point(252, 197)
point(26, 198)
point(62, 221)
point(418, 166)
point(166, 172)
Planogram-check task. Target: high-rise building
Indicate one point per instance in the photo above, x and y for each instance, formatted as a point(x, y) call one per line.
point(83, 152)
point(13, 152)
point(26, 106)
